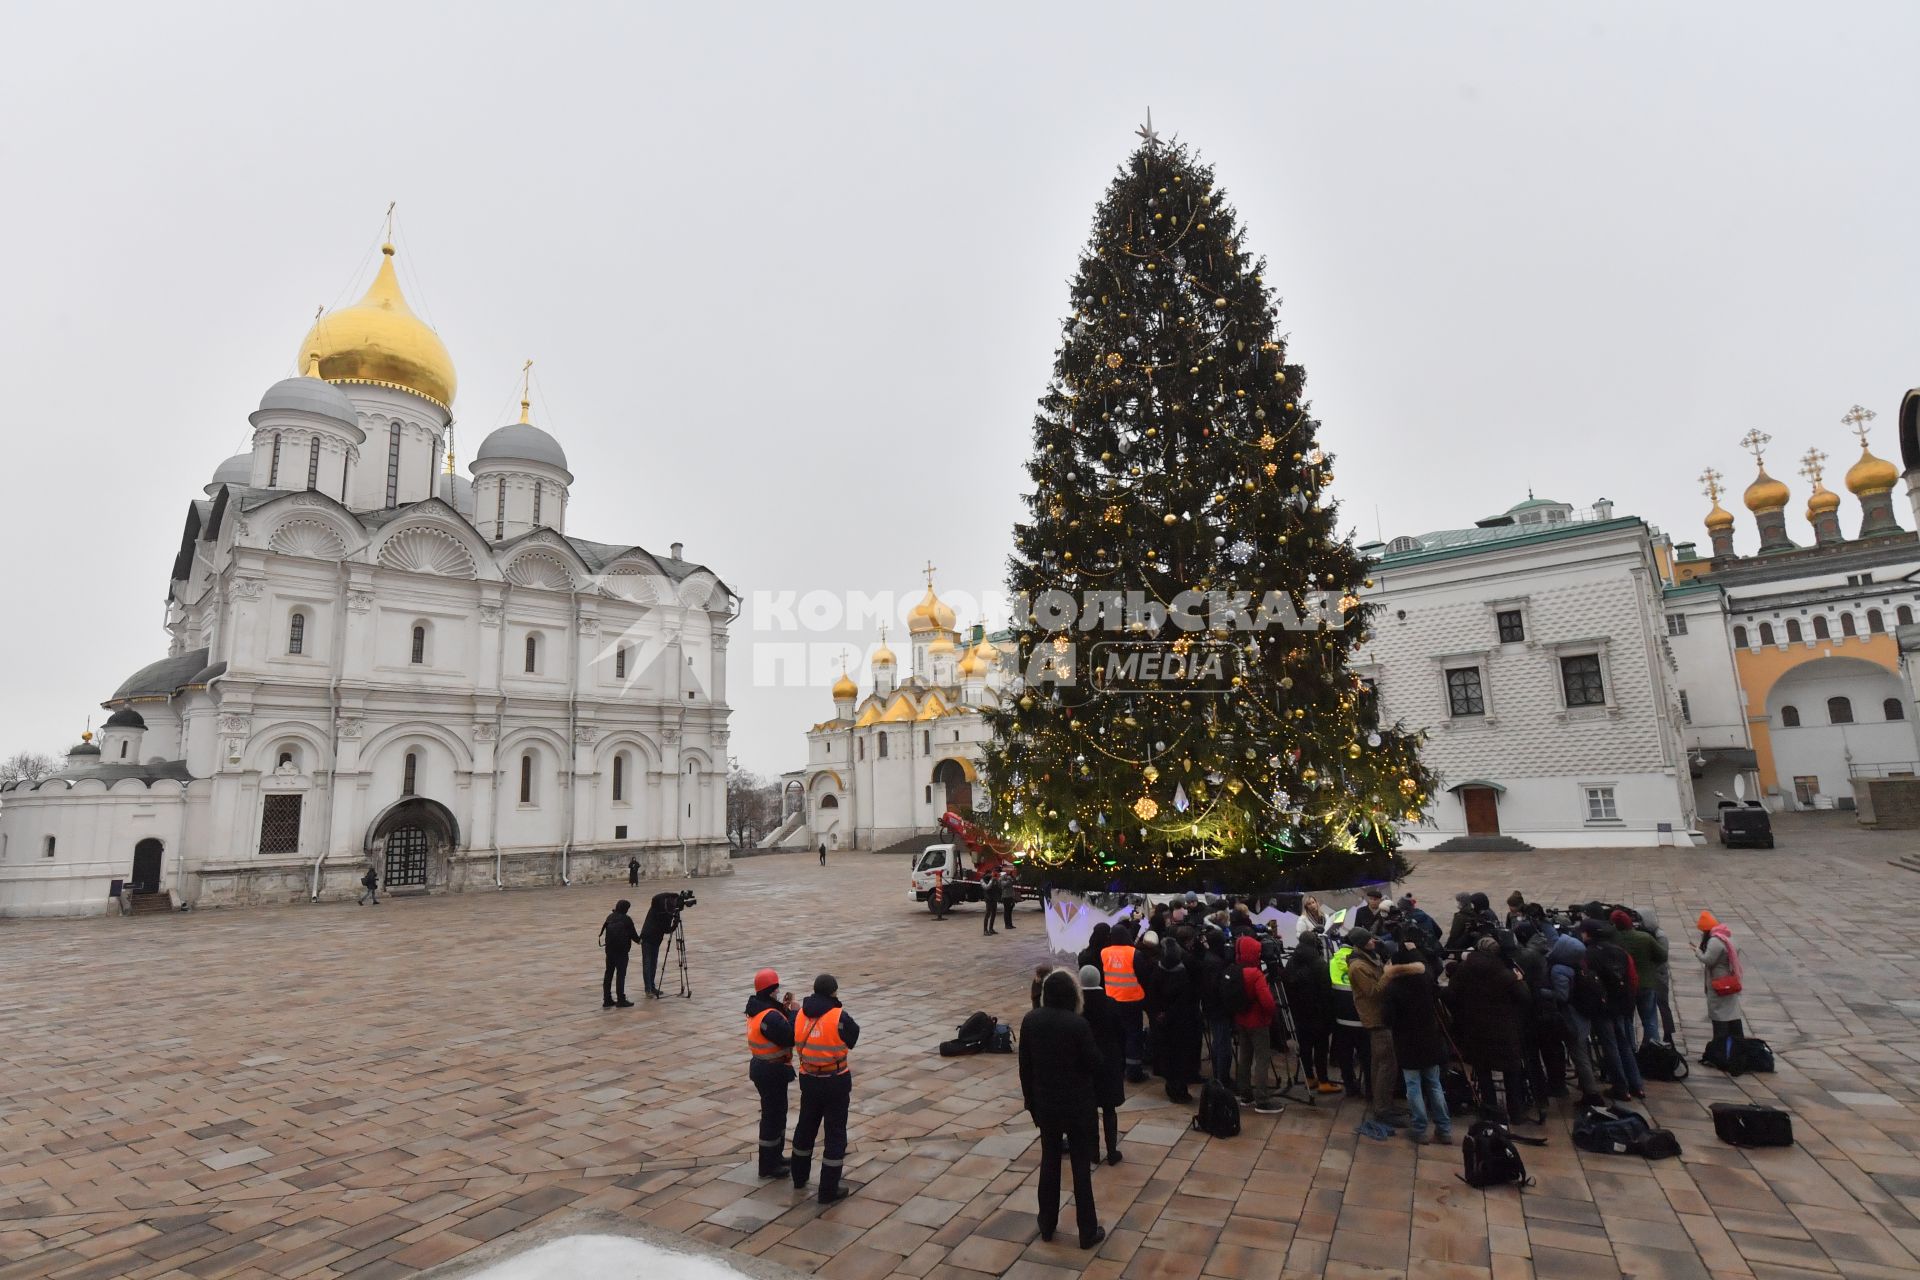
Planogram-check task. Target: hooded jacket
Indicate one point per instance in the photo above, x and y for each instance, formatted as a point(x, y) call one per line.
point(1413, 1015)
point(1566, 957)
point(1309, 988)
point(1060, 1062)
point(1657, 975)
point(1259, 1008)
point(817, 1007)
point(1368, 976)
point(1490, 1008)
point(1098, 941)
point(1648, 952)
point(1110, 1034)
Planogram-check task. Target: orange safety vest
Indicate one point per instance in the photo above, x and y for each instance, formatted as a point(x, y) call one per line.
point(763, 1049)
point(817, 1040)
point(1116, 968)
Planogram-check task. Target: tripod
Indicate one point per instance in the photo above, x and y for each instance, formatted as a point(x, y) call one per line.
point(1292, 1087)
point(674, 946)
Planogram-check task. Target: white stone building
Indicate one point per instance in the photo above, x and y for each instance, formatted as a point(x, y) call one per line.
point(370, 661)
point(1531, 649)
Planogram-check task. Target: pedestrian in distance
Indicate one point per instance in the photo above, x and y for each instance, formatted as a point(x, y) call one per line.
point(633, 871)
point(770, 1066)
point(370, 888)
point(823, 853)
point(1060, 1067)
point(617, 935)
point(1009, 894)
point(992, 891)
point(824, 1035)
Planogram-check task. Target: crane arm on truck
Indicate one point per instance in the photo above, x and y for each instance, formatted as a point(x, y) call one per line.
point(990, 854)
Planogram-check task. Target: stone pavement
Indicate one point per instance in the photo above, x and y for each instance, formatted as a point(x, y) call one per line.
point(336, 1090)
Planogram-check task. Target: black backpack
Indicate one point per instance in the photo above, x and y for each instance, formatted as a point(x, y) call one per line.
point(1230, 990)
point(1614, 967)
point(1219, 1113)
point(974, 1035)
point(1736, 1055)
point(1491, 1159)
point(1002, 1038)
point(1587, 994)
point(1661, 1061)
point(1620, 1131)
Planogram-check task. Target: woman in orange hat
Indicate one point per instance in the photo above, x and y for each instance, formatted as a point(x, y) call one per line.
point(1720, 964)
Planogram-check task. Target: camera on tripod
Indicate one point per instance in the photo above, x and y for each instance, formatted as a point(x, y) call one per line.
point(685, 900)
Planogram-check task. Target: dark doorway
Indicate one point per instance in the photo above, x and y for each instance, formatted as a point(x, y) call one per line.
point(406, 857)
point(956, 791)
point(411, 842)
point(146, 866)
point(1483, 811)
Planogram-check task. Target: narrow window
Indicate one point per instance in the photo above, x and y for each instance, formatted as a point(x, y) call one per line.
point(393, 465)
point(929, 793)
point(1892, 708)
point(1839, 710)
point(620, 663)
point(883, 746)
point(926, 741)
point(297, 633)
point(1790, 716)
point(863, 749)
point(313, 464)
point(273, 463)
point(1580, 676)
point(1876, 624)
point(538, 489)
point(499, 507)
point(1676, 624)
point(49, 846)
point(1513, 628)
point(1903, 616)
point(419, 655)
point(1821, 629)
point(280, 825)
point(1793, 631)
point(526, 778)
point(1740, 637)
point(345, 460)
point(1600, 806)
point(619, 778)
point(123, 748)
point(1847, 627)
point(1766, 633)
point(1686, 709)
point(1464, 695)
point(411, 774)
point(533, 653)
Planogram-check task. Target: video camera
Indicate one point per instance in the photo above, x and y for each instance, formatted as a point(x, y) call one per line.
point(687, 900)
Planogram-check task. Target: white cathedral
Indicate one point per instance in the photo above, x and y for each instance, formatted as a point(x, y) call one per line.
point(375, 663)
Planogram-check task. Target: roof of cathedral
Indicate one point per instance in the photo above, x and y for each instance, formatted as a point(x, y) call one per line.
point(126, 718)
point(235, 470)
point(158, 771)
point(311, 395)
point(522, 441)
point(158, 679)
point(380, 341)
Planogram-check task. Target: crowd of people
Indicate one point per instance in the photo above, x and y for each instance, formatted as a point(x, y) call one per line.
point(1517, 1008)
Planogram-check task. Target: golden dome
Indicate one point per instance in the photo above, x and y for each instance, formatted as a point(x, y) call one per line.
point(1870, 474)
point(1719, 518)
point(931, 614)
point(844, 689)
point(883, 654)
point(378, 340)
point(1765, 493)
point(1823, 501)
point(979, 659)
point(942, 643)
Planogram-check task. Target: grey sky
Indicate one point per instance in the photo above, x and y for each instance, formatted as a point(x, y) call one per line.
point(793, 280)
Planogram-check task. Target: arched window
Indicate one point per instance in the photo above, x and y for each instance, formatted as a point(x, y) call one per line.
point(123, 751)
point(620, 663)
point(1793, 631)
point(419, 654)
point(883, 746)
point(1766, 633)
point(862, 744)
point(929, 793)
point(1839, 710)
point(1740, 637)
point(926, 741)
point(297, 632)
point(49, 846)
point(526, 778)
point(619, 778)
point(1790, 716)
point(1821, 631)
point(411, 774)
point(533, 652)
point(1847, 627)
point(286, 758)
point(1876, 625)
point(829, 802)
point(1894, 709)
point(1903, 616)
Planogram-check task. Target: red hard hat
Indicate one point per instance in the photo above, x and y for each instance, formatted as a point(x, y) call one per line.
point(764, 979)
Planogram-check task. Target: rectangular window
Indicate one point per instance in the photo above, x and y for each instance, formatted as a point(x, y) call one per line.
point(619, 833)
point(1464, 697)
point(1580, 677)
point(1806, 790)
point(49, 846)
point(1686, 709)
point(538, 489)
point(620, 663)
point(273, 464)
point(1513, 629)
point(393, 465)
point(883, 746)
point(1600, 806)
point(499, 508)
point(1676, 624)
point(313, 465)
point(280, 825)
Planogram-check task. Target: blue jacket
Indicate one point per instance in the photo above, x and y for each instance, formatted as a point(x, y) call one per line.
point(1566, 957)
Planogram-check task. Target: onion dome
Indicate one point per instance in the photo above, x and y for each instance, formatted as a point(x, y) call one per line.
point(84, 747)
point(237, 470)
point(1765, 493)
point(1719, 518)
point(942, 643)
point(522, 442)
point(883, 655)
point(931, 614)
point(379, 341)
point(844, 689)
point(309, 393)
point(978, 660)
point(126, 718)
point(1823, 501)
point(1870, 474)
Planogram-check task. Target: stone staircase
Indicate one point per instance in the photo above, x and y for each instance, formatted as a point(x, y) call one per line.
point(912, 844)
point(151, 904)
point(1482, 844)
point(1906, 862)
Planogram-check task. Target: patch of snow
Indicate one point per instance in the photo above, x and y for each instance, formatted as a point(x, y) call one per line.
point(607, 1257)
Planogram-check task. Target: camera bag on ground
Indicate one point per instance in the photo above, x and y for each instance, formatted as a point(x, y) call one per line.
point(1002, 1038)
point(974, 1035)
point(1458, 1086)
point(1620, 1131)
point(1661, 1061)
point(1491, 1159)
point(1737, 1055)
point(1749, 1124)
point(1219, 1113)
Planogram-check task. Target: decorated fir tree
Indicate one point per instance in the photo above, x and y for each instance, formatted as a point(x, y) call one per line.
point(1162, 738)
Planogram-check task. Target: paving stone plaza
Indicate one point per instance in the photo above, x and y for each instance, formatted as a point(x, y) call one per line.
point(337, 1090)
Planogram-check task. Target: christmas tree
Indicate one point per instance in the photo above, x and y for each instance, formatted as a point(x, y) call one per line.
point(1186, 712)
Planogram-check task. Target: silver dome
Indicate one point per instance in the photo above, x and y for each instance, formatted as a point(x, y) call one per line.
point(524, 442)
point(311, 395)
point(456, 492)
point(237, 470)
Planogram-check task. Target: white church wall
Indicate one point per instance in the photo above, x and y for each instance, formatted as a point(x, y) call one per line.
point(93, 843)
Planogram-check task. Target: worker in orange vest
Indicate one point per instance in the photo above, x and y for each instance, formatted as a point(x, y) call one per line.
point(1129, 996)
point(770, 1066)
point(823, 1035)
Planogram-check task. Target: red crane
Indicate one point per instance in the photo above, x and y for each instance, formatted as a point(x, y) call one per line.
point(990, 853)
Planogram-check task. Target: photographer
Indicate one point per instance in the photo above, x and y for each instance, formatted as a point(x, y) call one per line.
point(663, 916)
point(617, 936)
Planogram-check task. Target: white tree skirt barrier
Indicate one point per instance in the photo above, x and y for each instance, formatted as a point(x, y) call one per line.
point(606, 1258)
point(1071, 917)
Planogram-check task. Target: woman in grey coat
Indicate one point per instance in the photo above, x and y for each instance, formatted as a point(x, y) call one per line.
point(1719, 960)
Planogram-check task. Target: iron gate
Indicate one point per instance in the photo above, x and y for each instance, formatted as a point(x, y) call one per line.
point(406, 857)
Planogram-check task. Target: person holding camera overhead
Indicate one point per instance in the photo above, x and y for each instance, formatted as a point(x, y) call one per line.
point(659, 923)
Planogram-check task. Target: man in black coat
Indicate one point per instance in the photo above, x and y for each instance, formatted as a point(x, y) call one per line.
point(661, 913)
point(1491, 1009)
point(1060, 1067)
point(992, 891)
point(1111, 1035)
point(618, 936)
point(1009, 894)
point(633, 871)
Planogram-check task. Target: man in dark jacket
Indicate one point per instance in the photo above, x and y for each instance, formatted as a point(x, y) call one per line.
point(770, 1066)
point(1060, 1069)
point(1649, 957)
point(633, 871)
point(824, 1033)
point(1176, 1032)
point(1614, 1030)
point(1543, 1047)
point(1310, 996)
point(1420, 1048)
point(992, 892)
point(1566, 961)
point(618, 936)
point(370, 887)
point(662, 911)
point(1009, 896)
point(1208, 966)
point(1491, 1007)
point(1110, 1090)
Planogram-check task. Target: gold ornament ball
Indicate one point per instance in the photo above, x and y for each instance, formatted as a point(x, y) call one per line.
point(1408, 786)
point(1026, 702)
point(1308, 775)
point(1170, 519)
point(1353, 750)
point(1220, 304)
point(1146, 808)
point(1114, 360)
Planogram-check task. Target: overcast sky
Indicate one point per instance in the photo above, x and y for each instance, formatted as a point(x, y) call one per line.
point(793, 280)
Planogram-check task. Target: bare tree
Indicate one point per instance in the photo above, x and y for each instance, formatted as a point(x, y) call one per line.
point(27, 766)
point(753, 805)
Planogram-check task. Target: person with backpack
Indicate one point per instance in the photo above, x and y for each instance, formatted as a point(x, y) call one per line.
point(1428, 927)
point(1648, 952)
point(1491, 1006)
point(1220, 991)
point(1614, 1028)
point(1411, 1008)
point(1060, 1069)
point(1720, 968)
point(1580, 999)
point(1110, 1087)
point(1310, 996)
point(369, 888)
point(617, 935)
point(1543, 1048)
point(1253, 1029)
point(770, 1066)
